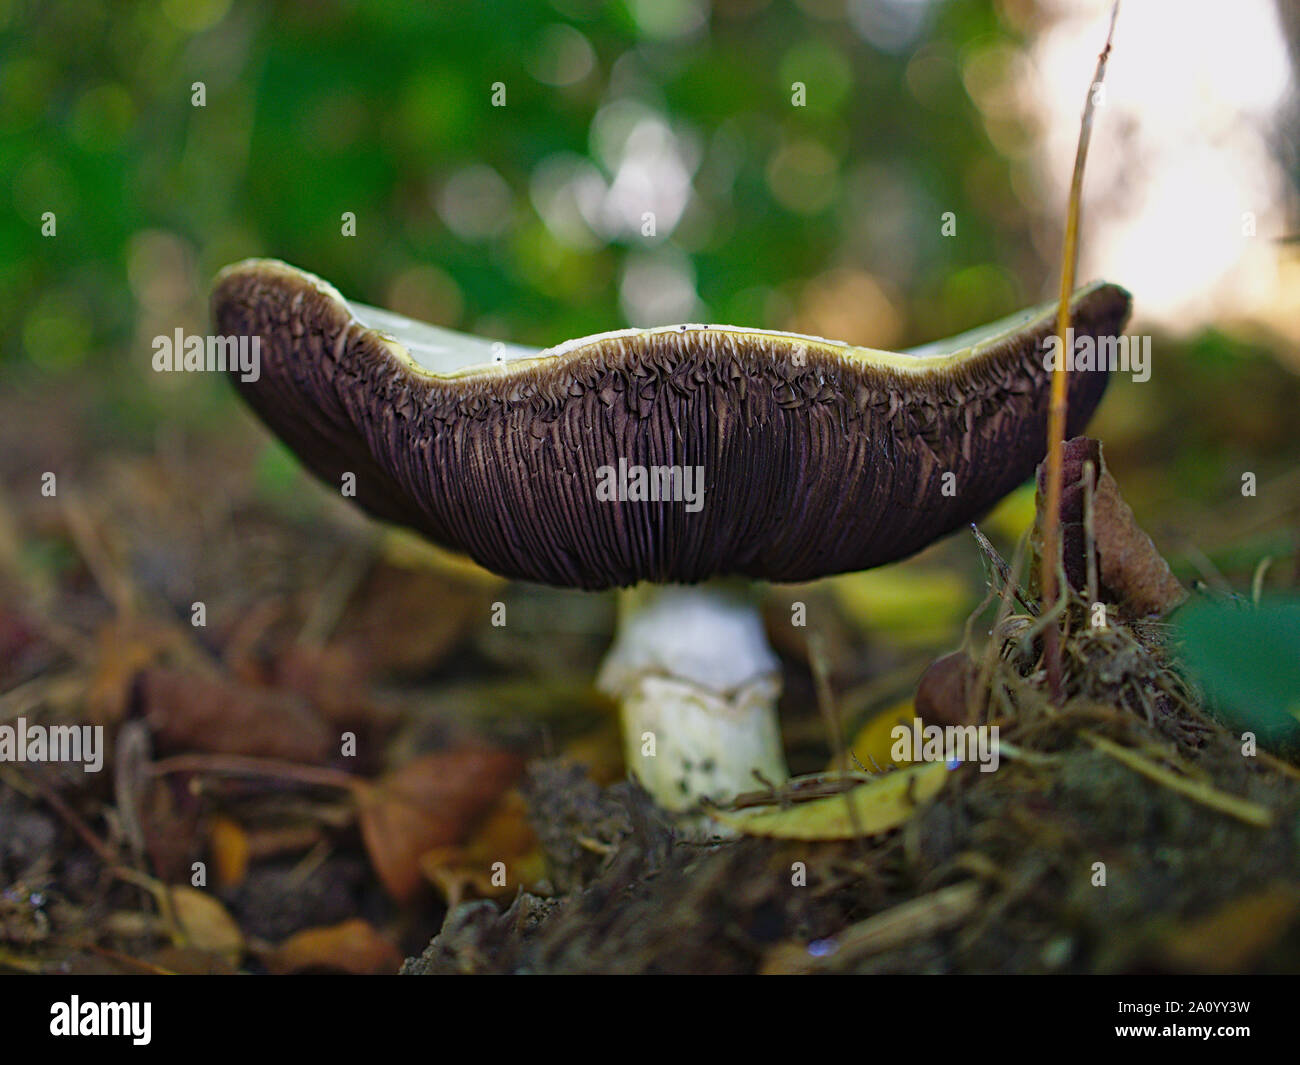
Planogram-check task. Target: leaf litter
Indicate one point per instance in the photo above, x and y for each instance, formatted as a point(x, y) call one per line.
point(317, 861)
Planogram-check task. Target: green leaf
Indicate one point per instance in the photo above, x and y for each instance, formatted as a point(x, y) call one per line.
point(1247, 659)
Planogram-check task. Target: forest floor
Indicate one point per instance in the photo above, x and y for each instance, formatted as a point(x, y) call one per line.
point(319, 752)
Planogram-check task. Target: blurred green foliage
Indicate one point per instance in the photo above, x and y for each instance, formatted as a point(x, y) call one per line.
point(314, 109)
point(1247, 661)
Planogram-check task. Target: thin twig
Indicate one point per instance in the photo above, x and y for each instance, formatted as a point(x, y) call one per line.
point(1056, 421)
point(272, 768)
point(70, 816)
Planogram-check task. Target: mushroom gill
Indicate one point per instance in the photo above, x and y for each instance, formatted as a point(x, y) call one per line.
point(816, 457)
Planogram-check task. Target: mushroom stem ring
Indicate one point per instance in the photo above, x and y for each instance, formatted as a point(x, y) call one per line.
point(697, 686)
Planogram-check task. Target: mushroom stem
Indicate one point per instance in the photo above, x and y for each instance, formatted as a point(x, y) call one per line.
point(697, 684)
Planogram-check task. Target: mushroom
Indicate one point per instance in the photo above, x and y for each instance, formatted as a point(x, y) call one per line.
point(668, 456)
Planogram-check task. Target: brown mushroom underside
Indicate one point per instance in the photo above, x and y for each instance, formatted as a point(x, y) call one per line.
point(812, 469)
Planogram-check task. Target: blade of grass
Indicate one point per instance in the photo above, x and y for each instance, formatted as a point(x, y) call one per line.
point(1060, 377)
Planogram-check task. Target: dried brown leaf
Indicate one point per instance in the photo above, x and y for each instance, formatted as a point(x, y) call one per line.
point(204, 924)
point(191, 712)
point(354, 946)
point(1130, 572)
point(1233, 937)
point(504, 836)
point(431, 801)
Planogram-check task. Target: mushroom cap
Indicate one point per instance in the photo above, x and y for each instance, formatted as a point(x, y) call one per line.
point(817, 457)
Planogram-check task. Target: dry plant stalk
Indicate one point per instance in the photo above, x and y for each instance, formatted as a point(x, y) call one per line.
point(1252, 813)
point(1060, 378)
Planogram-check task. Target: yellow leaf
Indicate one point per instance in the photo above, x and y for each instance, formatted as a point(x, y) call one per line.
point(204, 923)
point(874, 742)
point(878, 805)
point(230, 851)
point(915, 605)
point(1012, 517)
point(403, 548)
